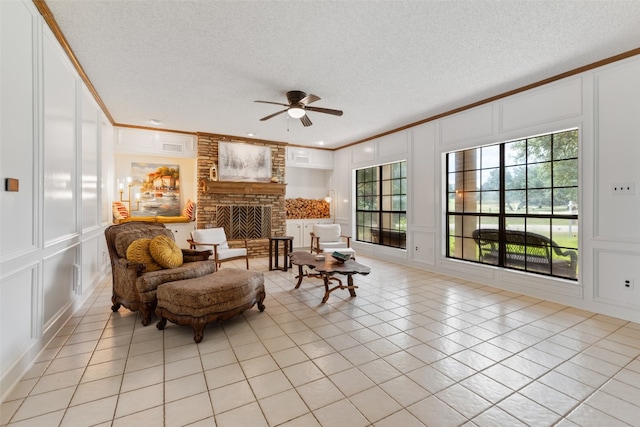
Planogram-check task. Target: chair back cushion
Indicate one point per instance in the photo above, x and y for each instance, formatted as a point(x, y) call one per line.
point(327, 232)
point(210, 235)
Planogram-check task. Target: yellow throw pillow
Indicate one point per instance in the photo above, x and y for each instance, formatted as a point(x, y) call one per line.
point(165, 252)
point(138, 251)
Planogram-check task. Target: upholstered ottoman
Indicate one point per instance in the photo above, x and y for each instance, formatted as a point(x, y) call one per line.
point(211, 298)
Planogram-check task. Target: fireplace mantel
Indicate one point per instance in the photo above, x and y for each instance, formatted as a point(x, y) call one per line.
point(223, 187)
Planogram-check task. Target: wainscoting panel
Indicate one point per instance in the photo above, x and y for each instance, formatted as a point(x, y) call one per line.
point(467, 125)
point(556, 102)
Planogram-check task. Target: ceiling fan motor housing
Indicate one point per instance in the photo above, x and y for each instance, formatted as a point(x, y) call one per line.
point(295, 96)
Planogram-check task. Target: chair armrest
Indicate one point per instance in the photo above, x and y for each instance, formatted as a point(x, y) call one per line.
point(193, 243)
point(190, 255)
point(130, 265)
point(348, 240)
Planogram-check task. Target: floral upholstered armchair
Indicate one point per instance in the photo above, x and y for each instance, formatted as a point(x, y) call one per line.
point(144, 255)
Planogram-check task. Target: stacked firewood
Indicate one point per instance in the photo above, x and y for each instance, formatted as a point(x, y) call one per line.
point(307, 208)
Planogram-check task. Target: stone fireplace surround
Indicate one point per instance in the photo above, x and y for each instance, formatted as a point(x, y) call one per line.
point(214, 194)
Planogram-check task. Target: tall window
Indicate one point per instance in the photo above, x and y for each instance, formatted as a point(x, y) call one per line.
point(515, 204)
point(381, 205)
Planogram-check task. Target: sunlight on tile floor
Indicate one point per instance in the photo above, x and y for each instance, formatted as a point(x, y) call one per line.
point(412, 349)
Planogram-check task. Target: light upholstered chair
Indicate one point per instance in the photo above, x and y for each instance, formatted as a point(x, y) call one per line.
point(328, 237)
point(216, 238)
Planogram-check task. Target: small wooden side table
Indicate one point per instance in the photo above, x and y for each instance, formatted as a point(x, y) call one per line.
point(288, 248)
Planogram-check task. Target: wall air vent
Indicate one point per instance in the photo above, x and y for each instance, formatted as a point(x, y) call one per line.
point(172, 148)
point(302, 159)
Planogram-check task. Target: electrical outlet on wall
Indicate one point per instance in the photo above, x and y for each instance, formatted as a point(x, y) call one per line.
point(628, 284)
point(623, 188)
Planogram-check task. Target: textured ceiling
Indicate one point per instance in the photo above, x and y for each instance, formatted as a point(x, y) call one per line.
point(198, 65)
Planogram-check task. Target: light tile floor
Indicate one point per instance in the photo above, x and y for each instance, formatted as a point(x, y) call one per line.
point(413, 348)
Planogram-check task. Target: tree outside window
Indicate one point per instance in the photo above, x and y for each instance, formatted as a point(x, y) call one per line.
point(528, 185)
point(381, 204)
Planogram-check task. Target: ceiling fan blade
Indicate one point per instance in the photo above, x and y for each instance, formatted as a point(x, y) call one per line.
point(309, 99)
point(274, 103)
point(305, 121)
point(325, 110)
point(272, 115)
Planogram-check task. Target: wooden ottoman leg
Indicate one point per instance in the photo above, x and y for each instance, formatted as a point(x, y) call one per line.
point(162, 322)
point(259, 299)
point(198, 326)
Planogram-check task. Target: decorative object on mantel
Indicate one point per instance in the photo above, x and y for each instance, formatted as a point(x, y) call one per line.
point(213, 173)
point(274, 179)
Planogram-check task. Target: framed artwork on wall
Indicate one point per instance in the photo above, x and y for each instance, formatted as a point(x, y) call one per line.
point(157, 189)
point(243, 162)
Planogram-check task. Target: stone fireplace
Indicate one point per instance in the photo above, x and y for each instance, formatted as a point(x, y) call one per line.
point(251, 210)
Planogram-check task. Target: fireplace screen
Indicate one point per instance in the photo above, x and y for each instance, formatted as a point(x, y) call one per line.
point(244, 222)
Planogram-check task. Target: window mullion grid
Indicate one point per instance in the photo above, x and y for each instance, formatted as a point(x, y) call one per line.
point(502, 222)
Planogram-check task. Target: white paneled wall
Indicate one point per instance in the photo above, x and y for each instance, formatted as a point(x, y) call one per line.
point(467, 126)
point(618, 150)
point(91, 115)
point(58, 144)
point(19, 148)
point(603, 104)
point(550, 103)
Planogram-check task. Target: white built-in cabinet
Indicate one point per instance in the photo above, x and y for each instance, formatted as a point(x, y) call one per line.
point(181, 232)
point(309, 158)
point(300, 229)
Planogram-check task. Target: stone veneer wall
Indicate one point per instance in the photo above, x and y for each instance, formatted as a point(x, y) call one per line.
point(206, 203)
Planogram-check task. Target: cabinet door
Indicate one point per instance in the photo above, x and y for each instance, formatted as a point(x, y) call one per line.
point(306, 233)
point(294, 229)
point(181, 232)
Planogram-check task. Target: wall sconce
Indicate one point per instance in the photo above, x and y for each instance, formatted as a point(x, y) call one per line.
point(128, 199)
point(329, 198)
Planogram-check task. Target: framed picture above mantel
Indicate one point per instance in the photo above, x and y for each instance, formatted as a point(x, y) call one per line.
point(240, 162)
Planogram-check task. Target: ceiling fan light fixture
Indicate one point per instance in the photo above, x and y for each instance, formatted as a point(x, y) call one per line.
point(295, 112)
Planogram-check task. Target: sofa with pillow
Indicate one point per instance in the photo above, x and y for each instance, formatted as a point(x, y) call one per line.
point(121, 214)
point(144, 255)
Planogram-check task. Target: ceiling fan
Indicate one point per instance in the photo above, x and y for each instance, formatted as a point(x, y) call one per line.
point(298, 106)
